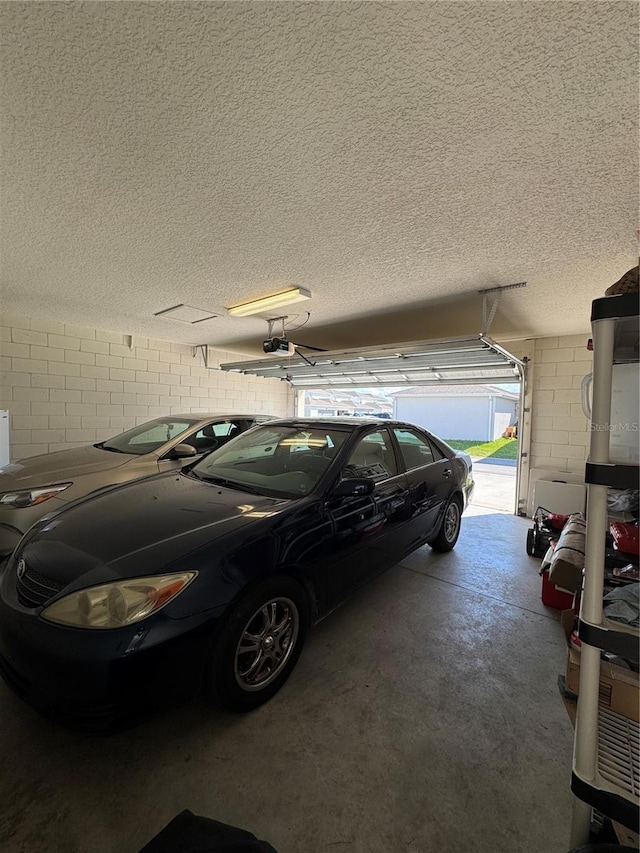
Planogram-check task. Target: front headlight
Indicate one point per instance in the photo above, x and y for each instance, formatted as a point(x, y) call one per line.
point(114, 605)
point(32, 497)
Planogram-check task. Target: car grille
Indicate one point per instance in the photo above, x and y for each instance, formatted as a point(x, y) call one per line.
point(35, 589)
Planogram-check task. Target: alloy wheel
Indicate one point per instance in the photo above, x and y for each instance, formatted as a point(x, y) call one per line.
point(451, 521)
point(266, 643)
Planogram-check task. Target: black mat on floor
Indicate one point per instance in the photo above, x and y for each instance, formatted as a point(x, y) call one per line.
point(189, 833)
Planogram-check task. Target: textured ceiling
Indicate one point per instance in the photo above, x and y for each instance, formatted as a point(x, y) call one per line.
point(393, 158)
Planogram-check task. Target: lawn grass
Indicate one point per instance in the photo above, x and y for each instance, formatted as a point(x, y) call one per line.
point(500, 448)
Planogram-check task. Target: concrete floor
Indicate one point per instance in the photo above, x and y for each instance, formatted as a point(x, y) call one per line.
point(423, 716)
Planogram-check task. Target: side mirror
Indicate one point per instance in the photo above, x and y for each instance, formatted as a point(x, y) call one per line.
point(354, 486)
point(183, 451)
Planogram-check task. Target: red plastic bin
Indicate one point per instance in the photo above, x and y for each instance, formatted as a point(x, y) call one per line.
point(553, 596)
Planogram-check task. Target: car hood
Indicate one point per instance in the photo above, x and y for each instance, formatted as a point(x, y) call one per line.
point(59, 467)
point(139, 528)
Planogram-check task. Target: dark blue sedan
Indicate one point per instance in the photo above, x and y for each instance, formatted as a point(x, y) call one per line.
point(209, 578)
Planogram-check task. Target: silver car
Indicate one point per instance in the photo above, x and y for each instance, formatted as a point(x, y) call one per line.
point(33, 487)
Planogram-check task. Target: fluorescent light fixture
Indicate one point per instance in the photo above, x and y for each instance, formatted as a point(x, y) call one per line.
point(186, 314)
point(276, 300)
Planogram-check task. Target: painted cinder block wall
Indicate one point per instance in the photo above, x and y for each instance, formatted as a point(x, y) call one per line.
point(560, 429)
point(66, 386)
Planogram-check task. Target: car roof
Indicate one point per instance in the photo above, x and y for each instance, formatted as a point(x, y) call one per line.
point(351, 423)
point(215, 416)
point(357, 424)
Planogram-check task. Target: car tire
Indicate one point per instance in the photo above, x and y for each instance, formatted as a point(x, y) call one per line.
point(531, 542)
point(449, 528)
point(259, 645)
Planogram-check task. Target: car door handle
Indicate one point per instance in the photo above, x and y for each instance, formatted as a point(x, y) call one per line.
point(447, 472)
point(396, 499)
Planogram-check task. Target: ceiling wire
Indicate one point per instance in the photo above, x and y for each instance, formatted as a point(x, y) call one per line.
point(304, 323)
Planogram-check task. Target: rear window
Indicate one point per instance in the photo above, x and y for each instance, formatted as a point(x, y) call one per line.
point(416, 449)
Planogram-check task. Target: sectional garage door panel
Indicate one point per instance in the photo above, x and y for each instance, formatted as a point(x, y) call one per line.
point(452, 361)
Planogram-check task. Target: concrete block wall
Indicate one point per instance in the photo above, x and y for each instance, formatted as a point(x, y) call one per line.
point(560, 430)
point(66, 386)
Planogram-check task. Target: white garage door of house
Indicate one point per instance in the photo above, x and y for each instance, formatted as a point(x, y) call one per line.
point(462, 361)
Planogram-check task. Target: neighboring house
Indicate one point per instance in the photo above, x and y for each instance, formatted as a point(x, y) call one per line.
point(474, 412)
point(359, 402)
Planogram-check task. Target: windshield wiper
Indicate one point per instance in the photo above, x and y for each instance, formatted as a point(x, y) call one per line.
point(223, 481)
point(104, 446)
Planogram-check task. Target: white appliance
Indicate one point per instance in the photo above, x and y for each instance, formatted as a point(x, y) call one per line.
point(560, 497)
point(4, 437)
point(556, 495)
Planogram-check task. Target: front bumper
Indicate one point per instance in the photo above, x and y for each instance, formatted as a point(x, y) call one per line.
point(93, 679)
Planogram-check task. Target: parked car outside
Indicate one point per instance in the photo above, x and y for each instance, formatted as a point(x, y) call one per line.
point(211, 576)
point(32, 487)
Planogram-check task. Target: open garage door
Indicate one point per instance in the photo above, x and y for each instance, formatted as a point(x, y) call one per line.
point(462, 361)
point(452, 361)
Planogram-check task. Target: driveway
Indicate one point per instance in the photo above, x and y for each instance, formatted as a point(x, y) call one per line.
point(495, 483)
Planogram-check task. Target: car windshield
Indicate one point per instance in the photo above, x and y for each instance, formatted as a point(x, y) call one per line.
point(276, 460)
point(147, 437)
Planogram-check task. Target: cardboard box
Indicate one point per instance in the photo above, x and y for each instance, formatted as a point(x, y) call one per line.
point(626, 836)
point(566, 620)
point(619, 687)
